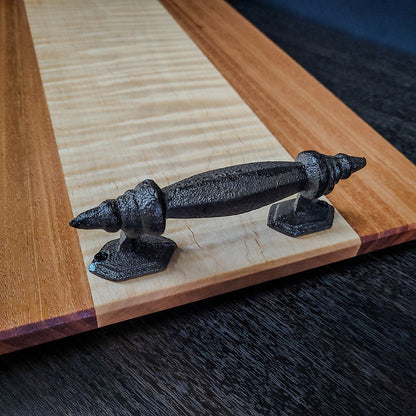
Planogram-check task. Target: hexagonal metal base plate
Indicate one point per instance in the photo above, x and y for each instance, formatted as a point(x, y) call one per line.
point(152, 255)
point(300, 216)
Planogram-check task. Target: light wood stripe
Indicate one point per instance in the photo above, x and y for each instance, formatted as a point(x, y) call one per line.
point(380, 203)
point(42, 276)
point(132, 97)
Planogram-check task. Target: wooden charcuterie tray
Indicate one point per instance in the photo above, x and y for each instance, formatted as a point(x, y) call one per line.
point(98, 96)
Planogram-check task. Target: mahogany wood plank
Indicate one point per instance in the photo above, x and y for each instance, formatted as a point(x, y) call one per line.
point(43, 283)
point(301, 113)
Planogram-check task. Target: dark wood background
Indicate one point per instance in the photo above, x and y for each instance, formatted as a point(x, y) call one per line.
point(338, 340)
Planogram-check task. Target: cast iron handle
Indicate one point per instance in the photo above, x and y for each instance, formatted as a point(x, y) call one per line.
point(142, 212)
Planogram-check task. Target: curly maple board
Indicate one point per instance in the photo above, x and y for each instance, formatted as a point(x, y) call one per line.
point(131, 96)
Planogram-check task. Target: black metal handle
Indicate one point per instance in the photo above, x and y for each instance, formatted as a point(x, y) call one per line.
point(141, 213)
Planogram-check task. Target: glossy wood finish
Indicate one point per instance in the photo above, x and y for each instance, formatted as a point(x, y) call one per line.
point(380, 204)
point(43, 280)
point(132, 97)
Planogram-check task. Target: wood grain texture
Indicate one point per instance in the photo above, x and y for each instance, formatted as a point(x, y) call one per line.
point(380, 204)
point(132, 97)
point(41, 274)
point(338, 340)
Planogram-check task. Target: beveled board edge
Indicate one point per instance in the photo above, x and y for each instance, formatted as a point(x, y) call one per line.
point(44, 291)
point(381, 217)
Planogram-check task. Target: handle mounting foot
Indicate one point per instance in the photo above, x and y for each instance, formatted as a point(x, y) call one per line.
point(127, 258)
point(300, 216)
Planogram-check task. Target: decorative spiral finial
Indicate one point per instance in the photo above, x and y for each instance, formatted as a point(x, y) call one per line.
point(324, 172)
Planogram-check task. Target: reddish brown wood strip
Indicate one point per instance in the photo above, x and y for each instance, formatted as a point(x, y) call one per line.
point(45, 331)
point(380, 203)
point(42, 275)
